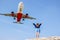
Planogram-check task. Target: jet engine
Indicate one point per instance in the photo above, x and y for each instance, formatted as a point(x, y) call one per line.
point(13, 15)
point(25, 16)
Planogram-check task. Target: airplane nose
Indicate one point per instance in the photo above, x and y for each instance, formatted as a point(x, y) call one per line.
point(20, 7)
point(21, 4)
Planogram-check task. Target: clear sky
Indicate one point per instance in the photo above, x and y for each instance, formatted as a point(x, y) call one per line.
point(46, 11)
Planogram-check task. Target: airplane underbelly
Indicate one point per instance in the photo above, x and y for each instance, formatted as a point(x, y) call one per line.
point(19, 16)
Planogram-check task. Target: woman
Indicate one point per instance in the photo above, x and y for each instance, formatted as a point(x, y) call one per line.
point(37, 26)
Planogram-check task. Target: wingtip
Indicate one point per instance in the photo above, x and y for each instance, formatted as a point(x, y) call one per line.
point(1, 14)
point(33, 18)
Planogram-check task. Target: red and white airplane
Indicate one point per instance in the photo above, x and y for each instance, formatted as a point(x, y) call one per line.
point(19, 15)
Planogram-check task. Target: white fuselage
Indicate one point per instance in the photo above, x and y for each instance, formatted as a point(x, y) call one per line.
point(20, 7)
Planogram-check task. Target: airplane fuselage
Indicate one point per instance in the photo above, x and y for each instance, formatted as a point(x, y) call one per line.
point(19, 15)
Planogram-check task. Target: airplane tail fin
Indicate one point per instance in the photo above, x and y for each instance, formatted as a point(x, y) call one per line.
point(18, 22)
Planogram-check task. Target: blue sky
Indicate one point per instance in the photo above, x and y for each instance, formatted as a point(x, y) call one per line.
point(46, 11)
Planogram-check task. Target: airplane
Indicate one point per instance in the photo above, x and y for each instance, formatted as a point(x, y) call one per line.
point(19, 15)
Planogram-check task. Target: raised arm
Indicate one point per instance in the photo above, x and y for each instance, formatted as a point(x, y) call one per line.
point(34, 24)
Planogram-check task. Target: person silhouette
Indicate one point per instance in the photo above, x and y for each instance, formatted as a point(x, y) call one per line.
point(37, 26)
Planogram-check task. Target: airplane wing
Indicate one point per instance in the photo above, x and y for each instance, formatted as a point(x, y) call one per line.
point(30, 18)
point(27, 17)
point(14, 15)
point(7, 14)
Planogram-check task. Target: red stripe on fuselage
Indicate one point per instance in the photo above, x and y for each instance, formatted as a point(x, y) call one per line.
point(19, 16)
